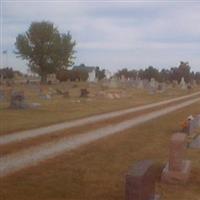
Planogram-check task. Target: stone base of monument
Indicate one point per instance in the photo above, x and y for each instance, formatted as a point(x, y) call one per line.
point(156, 197)
point(195, 143)
point(173, 177)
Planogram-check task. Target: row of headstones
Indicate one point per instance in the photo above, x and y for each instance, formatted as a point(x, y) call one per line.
point(152, 86)
point(17, 100)
point(141, 178)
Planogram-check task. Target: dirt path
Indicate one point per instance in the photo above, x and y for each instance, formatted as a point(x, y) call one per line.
point(23, 135)
point(34, 155)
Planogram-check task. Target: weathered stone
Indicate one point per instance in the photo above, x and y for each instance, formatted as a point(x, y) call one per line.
point(17, 100)
point(140, 182)
point(183, 84)
point(195, 143)
point(84, 93)
point(193, 124)
point(177, 151)
point(45, 96)
point(182, 176)
point(177, 169)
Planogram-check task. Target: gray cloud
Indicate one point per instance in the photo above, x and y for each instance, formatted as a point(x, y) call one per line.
point(132, 35)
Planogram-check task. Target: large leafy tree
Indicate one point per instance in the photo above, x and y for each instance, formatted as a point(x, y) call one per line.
point(46, 50)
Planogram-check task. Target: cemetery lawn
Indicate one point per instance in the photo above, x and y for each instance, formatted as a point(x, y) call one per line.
point(96, 171)
point(60, 109)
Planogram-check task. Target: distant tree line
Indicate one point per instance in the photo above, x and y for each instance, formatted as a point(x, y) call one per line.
point(164, 75)
point(7, 73)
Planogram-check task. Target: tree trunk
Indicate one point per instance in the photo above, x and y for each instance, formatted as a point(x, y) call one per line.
point(44, 78)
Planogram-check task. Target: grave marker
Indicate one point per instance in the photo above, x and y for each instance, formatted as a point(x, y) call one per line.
point(140, 182)
point(177, 169)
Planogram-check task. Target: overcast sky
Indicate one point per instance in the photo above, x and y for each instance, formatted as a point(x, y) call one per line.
point(112, 34)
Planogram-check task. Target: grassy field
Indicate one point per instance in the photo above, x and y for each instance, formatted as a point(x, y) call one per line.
point(96, 171)
point(60, 109)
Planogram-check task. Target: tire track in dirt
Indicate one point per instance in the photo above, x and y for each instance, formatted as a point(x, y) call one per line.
point(23, 135)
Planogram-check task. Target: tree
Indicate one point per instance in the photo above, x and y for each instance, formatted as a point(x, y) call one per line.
point(184, 71)
point(46, 50)
point(7, 73)
point(151, 72)
point(100, 74)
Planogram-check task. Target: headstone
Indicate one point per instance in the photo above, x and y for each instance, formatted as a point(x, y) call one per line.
point(153, 83)
point(92, 76)
point(161, 87)
point(177, 169)
point(51, 79)
point(195, 144)
point(193, 125)
point(140, 84)
point(108, 74)
point(183, 84)
point(140, 182)
point(17, 100)
point(84, 93)
point(114, 83)
point(45, 96)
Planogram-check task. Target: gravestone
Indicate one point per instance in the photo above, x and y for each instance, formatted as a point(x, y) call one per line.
point(193, 125)
point(84, 93)
point(114, 83)
point(140, 182)
point(108, 74)
point(177, 169)
point(183, 84)
point(153, 83)
point(17, 100)
point(140, 84)
point(195, 144)
point(92, 76)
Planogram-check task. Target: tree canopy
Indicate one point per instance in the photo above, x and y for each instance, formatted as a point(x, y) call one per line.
point(46, 50)
point(166, 75)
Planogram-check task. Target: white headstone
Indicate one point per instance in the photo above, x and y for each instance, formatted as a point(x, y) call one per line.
point(108, 74)
point(183, 84)
point(92, 76)
point(140, 84)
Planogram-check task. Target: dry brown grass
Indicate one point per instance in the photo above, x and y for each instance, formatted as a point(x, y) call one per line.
point(96, 171)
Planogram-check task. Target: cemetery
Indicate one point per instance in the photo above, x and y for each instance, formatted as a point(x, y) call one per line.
point(159, 170)
point(99, 100)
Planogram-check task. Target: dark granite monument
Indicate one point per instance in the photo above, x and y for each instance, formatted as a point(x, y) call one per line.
point(17, 100)
point(140, 182)
point(84, 93)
